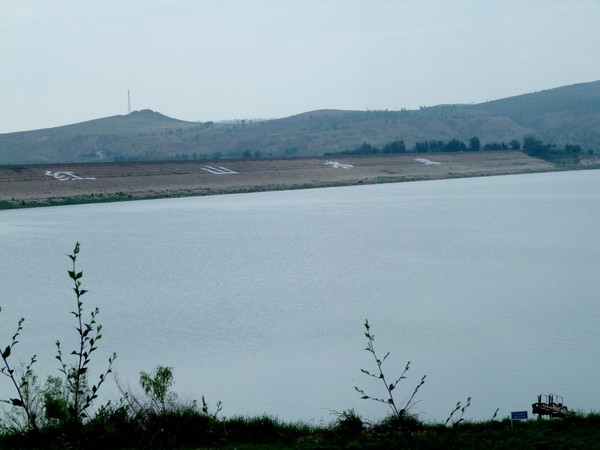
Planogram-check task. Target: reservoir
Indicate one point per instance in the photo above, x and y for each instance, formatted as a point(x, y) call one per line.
point(489, 286)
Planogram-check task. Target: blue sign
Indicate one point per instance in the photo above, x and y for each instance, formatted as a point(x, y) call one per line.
point(518, 415)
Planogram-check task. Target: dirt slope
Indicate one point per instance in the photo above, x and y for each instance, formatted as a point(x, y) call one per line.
point(37, 185)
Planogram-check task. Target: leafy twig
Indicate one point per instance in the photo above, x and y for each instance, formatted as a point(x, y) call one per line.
point(398, 412)
point(19, 384)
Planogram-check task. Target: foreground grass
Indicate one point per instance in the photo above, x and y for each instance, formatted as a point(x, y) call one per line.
point(189, 429)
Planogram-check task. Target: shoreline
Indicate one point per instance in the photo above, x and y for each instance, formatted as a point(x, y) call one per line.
point(24, 186)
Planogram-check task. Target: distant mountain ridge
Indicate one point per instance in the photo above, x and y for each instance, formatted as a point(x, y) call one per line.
point(564, 115)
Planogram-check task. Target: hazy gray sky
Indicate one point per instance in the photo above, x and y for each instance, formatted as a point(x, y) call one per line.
point(67, 61)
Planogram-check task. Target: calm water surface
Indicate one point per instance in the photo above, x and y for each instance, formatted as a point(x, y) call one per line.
point(488, 285)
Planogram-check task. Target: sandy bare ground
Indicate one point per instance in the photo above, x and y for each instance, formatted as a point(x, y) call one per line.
point(37, 185)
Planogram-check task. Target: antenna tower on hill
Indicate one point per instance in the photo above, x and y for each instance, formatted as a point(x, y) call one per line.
point(128, 102)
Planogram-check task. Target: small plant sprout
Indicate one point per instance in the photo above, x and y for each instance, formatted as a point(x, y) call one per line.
point(206, 411)
point(462, 409)
point(398, 412)
point(89, 333)
point(495, 414)
point(20, 382)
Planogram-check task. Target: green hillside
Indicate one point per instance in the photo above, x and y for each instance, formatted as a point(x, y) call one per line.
point(565, 115)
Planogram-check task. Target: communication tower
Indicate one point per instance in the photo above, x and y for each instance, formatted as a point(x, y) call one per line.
point(128, 102)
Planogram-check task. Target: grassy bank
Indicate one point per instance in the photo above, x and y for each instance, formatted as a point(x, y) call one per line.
point(187, 429)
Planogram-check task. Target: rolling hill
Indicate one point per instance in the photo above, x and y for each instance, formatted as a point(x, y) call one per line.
point(564, 115)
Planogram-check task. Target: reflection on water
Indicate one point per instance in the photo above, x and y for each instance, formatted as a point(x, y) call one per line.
point(489, 286)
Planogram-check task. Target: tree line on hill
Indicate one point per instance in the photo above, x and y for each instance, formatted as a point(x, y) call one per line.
point(531, 146)
point(432, 146)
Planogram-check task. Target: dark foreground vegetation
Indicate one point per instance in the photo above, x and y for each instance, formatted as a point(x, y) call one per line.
point(61, 413)
point(186, 429)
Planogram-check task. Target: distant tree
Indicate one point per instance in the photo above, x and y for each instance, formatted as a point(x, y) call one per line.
point(366, 149)
point(474, 144)
point(494, 146)
point(455, 146)
point(515, 145)
point(530, 142)
point(436, 146)
point(535, 147)
point(394, 147)
point(421, 147)
point(572, 149)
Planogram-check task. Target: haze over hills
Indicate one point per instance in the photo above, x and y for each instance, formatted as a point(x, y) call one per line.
point(565, 115)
